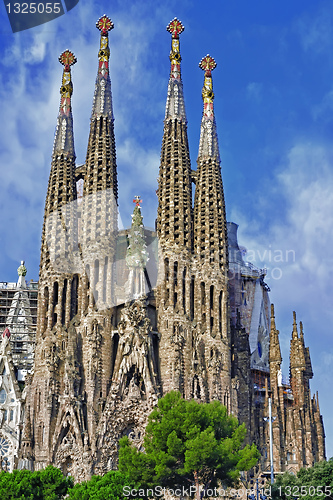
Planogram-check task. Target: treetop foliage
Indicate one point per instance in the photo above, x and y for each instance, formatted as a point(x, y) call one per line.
point(46, 484)
point(188, 443)
point(314, 483)
point(107, 487)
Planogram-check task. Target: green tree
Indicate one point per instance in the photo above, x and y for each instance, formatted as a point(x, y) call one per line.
point(188, 444)
point(46, 484)
point(107, 487)
point(314, 483)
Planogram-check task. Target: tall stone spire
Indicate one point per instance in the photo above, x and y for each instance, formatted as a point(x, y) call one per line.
point(174, 219)
point(274, 343)
point(100, 190)
point(297, 365)
point(211, 248)
point(101, 168)
point(275, 358)
point(294, 332)
point(58, 237)
point(297, 349)
point(174, 229)
point(210, 233)
point(306, 350)
point(58, 286)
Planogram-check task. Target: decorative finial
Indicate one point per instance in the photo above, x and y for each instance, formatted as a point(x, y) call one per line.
point(67, 59)
point(22, 270)
point(175, 27)
point(137, 200)
point(272, 311)
point(102, 104)
point(208, 146)
point(207, 64)
point(63, 141)
point(104, 24)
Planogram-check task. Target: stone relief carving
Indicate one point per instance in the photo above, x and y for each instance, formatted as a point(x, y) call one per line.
point(134, 368)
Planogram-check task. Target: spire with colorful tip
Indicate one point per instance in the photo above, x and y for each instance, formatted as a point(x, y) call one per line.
point(208, 146)
point(102, 105)
point(210, 233)
point(175, 107)
point(64, 140)
point(174, 218)
point(101, 167)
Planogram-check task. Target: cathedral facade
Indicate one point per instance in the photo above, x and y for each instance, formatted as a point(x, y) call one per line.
point(125, 316)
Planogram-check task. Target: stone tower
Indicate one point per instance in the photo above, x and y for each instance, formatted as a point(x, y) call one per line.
point(95, 376)
point(210, 259)
point(174, 229)
point(57, 294)
point(298, 431)
point(109, 343)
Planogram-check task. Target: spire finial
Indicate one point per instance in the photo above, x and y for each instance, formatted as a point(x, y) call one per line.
point(102, 105)
point(137, 200)
point(22, 270)
point(64, 142)
point(104, 24)
point(67, 59)
point(207, 64)
point(175, 107)
point(175, 27)
point(208, 147)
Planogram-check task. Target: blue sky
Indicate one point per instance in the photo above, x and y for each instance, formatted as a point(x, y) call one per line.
point(274, 111)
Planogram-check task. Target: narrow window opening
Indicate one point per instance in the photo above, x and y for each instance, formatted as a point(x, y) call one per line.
point(63, 303)
point(192, 298)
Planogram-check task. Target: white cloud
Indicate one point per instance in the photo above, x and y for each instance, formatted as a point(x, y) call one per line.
point(316, 31)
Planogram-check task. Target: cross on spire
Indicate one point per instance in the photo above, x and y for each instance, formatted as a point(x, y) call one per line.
point(67, 59)
point(175, 27)
point(207, 64)
point(137, 200)
point(104, 24)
